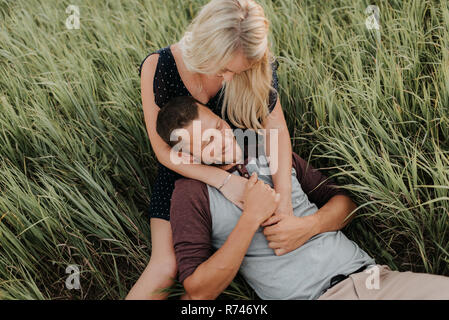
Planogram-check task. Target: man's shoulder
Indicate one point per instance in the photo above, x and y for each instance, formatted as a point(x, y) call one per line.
point(189, 202)
point(190, 192)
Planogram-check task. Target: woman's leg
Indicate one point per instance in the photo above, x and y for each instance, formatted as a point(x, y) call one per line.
point(162, 266)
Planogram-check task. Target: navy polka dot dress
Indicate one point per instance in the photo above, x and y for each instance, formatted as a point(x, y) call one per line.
point(167, 84)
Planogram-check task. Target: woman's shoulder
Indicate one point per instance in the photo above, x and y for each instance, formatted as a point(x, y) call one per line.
point(162, 72)
point(158, 57)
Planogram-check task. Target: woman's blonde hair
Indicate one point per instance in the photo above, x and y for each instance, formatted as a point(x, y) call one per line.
point(220, 29)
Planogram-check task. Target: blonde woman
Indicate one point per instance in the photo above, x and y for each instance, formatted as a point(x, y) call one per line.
point(224, 61)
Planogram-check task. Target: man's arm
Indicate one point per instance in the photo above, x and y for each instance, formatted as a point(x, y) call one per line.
point(334, 215)
point(206, 279)
point(287, 233)
point(334, 205)
point(214, 275)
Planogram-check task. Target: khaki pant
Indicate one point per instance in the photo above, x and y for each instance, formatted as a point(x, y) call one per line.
point(379, 282)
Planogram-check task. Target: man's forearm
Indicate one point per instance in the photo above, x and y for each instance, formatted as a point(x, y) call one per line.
point(332, 215)
point(216, 273)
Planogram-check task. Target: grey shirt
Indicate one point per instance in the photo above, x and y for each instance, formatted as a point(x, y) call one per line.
point(205, 215)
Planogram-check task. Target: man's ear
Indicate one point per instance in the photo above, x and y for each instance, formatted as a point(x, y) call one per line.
point(187, 158)
point(182, 136)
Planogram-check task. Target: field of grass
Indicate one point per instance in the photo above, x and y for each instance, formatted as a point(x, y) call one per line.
point(76, 167)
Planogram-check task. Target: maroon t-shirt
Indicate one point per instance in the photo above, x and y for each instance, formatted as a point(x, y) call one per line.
point(191, 221)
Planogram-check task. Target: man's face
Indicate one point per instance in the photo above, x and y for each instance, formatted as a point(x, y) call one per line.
point(212, 139)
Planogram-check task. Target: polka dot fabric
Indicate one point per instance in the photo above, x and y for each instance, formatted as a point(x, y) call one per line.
point(167, 84)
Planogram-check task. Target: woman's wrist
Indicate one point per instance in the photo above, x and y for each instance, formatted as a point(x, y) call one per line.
point(213, 176)
point(285, 192)
point(225, 181)
point(285, 202)
point(234, 188)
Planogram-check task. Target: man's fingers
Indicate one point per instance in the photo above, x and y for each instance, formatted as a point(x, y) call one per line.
point(280, 251)
point(274, 237)
point(274, 245)
point(270, 230)
point(271, 220)
point(277, 248)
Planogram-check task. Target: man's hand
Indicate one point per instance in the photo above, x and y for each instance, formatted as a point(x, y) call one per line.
point(259, 199)
point(286, 233)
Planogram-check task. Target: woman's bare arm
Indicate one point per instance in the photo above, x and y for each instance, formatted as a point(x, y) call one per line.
point(281, 145)
point(210, 175)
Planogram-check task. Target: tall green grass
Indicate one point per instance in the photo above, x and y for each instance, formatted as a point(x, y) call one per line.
point(76, 166)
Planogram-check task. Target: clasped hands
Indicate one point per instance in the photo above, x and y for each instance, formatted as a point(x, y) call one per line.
point(284, 231)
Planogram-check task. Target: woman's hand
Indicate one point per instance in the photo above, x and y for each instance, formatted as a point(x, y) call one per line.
point(234, 190)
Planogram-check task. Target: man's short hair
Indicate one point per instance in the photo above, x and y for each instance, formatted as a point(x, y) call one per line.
point(178, 113)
